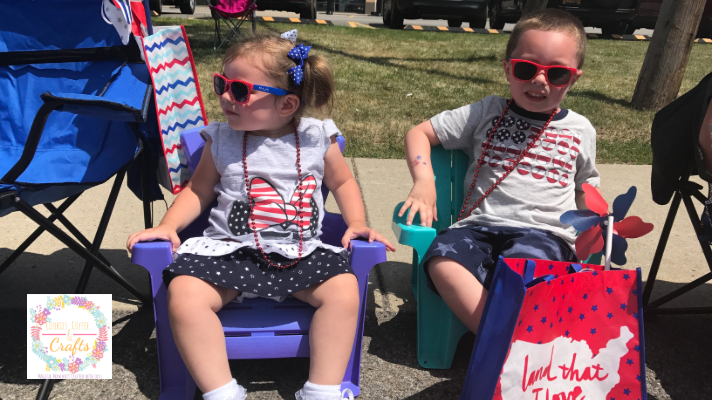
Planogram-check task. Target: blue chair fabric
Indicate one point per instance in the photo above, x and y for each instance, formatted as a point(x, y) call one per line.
point(76, 111)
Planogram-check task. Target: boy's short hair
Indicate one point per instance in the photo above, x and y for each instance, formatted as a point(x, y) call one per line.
point(549, 19)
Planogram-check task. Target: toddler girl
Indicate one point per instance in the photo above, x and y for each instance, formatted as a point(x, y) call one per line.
point(266, 167)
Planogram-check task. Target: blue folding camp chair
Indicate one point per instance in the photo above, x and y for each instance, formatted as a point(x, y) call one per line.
point(76, 109)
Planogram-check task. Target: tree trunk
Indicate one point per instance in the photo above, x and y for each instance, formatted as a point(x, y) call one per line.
point(534, 5)
point(664, 66)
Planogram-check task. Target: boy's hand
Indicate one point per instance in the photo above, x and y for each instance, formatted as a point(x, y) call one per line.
point(159, 232)
point(422, 199)
point(361, 230)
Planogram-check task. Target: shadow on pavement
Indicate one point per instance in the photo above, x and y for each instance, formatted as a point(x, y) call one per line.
point(678, 347)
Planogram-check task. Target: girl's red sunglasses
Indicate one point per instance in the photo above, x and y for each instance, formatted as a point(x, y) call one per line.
point(239, 90)
point(556, 75)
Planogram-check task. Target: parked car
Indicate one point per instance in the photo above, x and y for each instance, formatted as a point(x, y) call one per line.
point(612, 16)
point(454, 11)
point(305, 8)
point(648, 11)
point(186, 6)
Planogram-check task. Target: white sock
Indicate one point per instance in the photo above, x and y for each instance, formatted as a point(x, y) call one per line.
point(229, 391)
point(312, 389)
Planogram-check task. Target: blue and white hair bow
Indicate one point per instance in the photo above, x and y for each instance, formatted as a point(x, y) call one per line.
point(298, 54)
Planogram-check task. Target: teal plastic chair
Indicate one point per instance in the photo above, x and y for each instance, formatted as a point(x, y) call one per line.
point(439, 330)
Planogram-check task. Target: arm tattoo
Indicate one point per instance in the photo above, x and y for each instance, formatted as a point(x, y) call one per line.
point(418, 160)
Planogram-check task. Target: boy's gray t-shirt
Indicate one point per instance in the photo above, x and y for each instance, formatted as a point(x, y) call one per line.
point(542, 186)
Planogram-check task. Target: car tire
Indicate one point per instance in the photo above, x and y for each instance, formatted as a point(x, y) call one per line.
point(454, 23)
point(386, 15)
point(479, 21)
point(156, 5)
point(309, 12)
point(494, 12)
point(187, 7)
point(614, 28)
point(397, 17)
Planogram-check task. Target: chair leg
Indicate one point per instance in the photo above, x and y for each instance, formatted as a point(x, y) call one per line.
point(439, 330)
point(31, 213)
point(74, 231)
point(216, 37)
point(662, 243)
point(254, 21)
point(363, 258)
point(101, 230)
point(56, 213)
point(45, 389)
point(190, 386)
point(685, 195)
point(233, 30)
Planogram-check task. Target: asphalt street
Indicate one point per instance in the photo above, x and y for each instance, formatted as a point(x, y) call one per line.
point(348, 19)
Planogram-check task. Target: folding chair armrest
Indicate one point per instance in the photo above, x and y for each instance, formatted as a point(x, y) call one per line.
point(414, 235)
point(95, 106)
point(125, 98)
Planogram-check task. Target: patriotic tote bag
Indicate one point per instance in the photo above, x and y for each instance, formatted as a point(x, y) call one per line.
point(559, 331)
point(179, 104)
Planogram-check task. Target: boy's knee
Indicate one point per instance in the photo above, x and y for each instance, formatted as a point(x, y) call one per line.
point(439, 265)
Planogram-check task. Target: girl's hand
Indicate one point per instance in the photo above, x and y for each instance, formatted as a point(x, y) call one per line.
point(160, 232)
point(422, 199)
point(361, 230)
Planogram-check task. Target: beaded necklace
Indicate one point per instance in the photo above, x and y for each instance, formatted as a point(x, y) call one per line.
point(251, 220)
point(481, 161)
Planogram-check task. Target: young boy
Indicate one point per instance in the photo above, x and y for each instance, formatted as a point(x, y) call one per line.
point(528, 162)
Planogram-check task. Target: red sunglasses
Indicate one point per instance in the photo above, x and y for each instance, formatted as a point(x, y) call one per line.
point(239, 90)
point(556, 75)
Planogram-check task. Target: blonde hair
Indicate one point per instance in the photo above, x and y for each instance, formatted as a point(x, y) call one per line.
point(549, 19)
point(316, 90)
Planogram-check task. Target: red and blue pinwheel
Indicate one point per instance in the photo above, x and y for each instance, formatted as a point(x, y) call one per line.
point(592, 224)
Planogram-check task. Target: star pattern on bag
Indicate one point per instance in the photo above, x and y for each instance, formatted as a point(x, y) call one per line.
point(604, 303)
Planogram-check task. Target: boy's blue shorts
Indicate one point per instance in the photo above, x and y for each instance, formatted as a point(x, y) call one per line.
point(478, 247)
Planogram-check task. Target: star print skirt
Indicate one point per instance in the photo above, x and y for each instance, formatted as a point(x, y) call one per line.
point(478, 247)
point(246, 270)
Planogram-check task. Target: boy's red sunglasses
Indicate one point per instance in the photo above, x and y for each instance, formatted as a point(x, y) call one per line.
point(239, 90)
point(556, 75)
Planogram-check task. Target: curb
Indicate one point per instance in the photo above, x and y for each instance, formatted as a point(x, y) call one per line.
point(295, 21)
point(448, 29)
point(633, 38)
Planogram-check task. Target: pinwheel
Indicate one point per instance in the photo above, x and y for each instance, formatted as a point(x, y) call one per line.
point(592, 223)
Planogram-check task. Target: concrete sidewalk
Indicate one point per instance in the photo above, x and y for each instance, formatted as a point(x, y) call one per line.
point(678, 348)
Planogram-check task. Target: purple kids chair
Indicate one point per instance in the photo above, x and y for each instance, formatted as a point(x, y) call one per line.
point(255, 328)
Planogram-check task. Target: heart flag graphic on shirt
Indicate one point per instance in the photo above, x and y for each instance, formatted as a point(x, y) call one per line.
point(270, 208)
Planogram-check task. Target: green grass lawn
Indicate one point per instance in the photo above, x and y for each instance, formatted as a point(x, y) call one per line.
point(388, 81)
